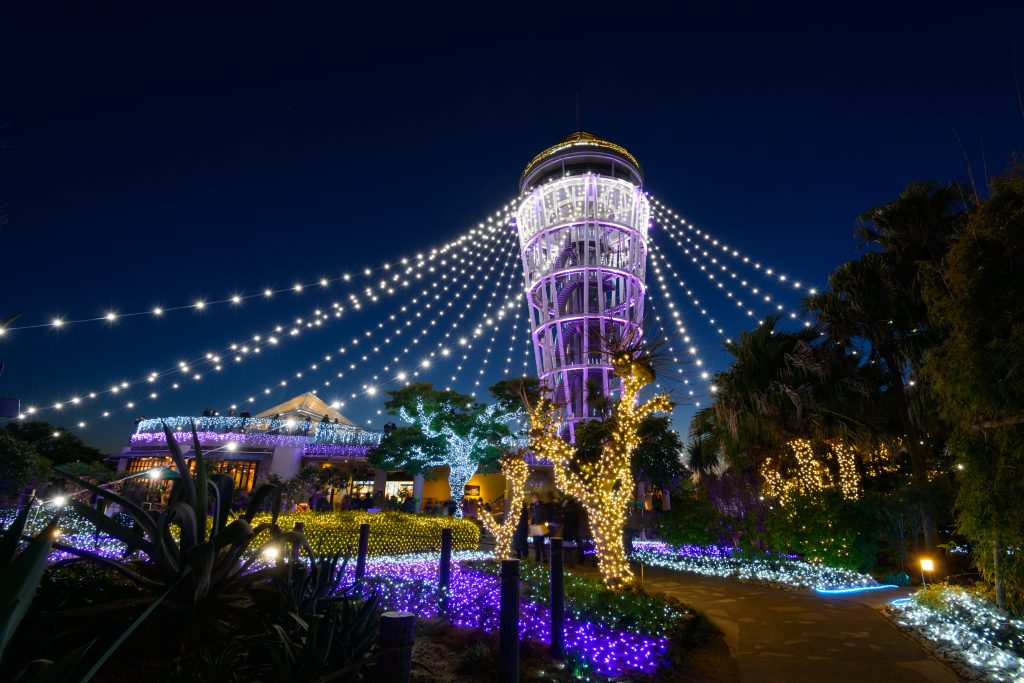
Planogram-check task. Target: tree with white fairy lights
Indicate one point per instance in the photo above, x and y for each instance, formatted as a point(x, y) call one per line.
point(446, 429)
point(604, 487)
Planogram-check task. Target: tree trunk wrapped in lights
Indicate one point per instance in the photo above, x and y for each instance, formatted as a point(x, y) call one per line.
point(516, 472)
point(810, 476)
point(604, 487)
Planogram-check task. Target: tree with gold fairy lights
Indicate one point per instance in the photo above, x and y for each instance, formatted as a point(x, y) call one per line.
point(516, 471)
point(604, 487)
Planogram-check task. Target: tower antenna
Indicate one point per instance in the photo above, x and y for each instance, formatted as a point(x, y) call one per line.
point(578, 127)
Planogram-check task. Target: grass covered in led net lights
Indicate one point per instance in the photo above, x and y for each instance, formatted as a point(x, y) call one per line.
point(327, 532)
point(774, 570)
point(596, 633)
point(391, 533)
point(964, 627)
point(74, 530)
point(589, 599)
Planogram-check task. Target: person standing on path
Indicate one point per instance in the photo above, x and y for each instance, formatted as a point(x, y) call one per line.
point(538, 526)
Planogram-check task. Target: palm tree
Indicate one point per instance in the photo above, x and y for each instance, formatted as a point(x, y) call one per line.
point(780, 386)
point(874, 308)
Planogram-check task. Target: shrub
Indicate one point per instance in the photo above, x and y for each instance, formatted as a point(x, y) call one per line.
point(693, 520)
point(390, 532)
point(825, 529)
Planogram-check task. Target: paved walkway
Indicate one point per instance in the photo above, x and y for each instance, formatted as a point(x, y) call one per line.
point(777, 635)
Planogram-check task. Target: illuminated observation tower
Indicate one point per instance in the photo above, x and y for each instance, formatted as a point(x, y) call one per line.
point(583, 237)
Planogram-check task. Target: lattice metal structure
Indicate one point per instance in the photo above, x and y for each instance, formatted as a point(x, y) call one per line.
point(582, 226)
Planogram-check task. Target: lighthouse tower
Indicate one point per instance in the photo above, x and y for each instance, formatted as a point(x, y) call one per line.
point(582, 229)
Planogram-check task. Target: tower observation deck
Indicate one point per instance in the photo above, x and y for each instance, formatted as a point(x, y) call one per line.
point(582, 229)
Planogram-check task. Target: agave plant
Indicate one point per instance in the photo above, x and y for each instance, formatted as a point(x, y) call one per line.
point(191, 548)
point(20, 573)
point(335, 645)
point(324, 631)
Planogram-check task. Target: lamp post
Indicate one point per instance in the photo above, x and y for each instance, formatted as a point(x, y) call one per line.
point(926, 566)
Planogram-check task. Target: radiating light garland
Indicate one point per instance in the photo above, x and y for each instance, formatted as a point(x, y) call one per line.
point(445, 346)
point(465, 342)
point(709, 264)
point(771, 570)
point(238, 352)
point(480, 258)
point(441, 351)
point(494, 322)
point(677, 316)
point(658, 257)
point(979, 634)
point(112, 316)
point(461, 455)
point(766, 271)
point(605, 487)
point(516, 472)
point(519, 320)
point(651, 304)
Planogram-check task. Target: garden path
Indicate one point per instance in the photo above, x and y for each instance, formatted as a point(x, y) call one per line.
point(791, 637)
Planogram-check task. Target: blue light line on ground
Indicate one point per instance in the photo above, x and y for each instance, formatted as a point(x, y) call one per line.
point(848, 591)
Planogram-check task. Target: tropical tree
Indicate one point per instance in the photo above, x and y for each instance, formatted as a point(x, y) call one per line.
point(975, 299)
point(56, 444)
point(20, 464)
point(659, 456)
point(446, 429)
point(605, 486)
point(780, 386)
point(516, 472)
point(874, 306)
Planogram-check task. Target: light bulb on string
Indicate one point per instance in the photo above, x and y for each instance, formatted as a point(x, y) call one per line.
point(267, 293)
point(710, 263)
point(256, 348)
point(480, 258)
point(720, 245)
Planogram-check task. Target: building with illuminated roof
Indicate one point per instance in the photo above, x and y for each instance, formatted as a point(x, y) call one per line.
point(280, 440)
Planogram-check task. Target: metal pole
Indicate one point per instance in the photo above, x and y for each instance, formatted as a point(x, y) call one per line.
point(445, 572)
point(397, 635)
point(298, 528)
point(557, 600)
point(364, 547)
point(508, 631)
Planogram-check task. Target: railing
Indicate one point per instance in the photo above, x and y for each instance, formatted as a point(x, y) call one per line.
point(287, 432)
point(580, 199)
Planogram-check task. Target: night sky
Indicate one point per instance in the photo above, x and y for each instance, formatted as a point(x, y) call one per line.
point(160, 159)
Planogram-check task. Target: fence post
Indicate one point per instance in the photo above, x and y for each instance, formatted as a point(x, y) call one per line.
point(298, 528)
point(364, 547)
point(397, 635)
point(557, 599)
point(508, 629)
point(445, 573)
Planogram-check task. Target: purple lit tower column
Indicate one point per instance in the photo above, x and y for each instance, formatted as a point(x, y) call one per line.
point(583, 236)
